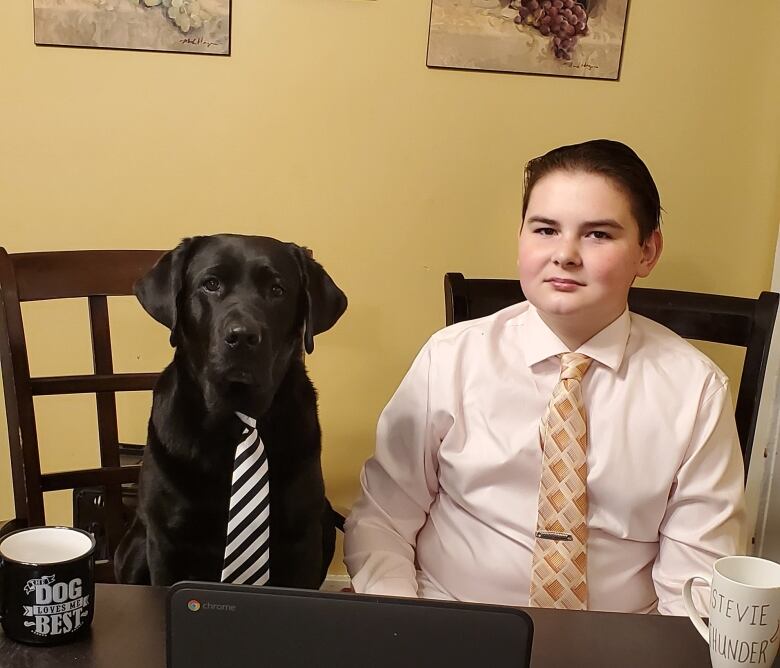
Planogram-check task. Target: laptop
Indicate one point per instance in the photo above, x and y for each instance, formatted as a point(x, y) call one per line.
point(239, 626)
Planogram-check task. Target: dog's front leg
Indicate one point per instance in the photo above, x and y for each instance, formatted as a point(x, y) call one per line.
point(297, 506)
point(130, 565)
point(297, 560)
point(159, 556)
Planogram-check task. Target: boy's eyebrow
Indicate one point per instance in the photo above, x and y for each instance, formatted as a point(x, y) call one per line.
point(606, 222)
point(542, 219)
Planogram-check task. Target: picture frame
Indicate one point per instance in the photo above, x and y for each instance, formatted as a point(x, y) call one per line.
point(180, 26)
point(575, 38)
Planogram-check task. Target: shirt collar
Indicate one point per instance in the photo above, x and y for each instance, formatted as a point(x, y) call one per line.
point(606, 347)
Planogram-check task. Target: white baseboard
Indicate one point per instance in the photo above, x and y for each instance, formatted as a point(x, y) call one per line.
point(335, 583)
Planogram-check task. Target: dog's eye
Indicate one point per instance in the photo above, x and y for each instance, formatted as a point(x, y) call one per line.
point(277, 290)
point(211, 284)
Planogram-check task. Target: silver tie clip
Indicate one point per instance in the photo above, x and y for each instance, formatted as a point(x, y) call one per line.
point(554, 535)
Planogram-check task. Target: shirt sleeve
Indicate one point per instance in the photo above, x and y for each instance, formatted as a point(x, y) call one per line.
point(705, 514)
point(399, 483)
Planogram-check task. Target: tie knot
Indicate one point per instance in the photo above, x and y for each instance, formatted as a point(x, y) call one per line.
point(249, 422)
point(574, 366)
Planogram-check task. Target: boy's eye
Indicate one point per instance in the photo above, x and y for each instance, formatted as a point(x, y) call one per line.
point(545, 231)
point(211, 284)
point(600, 234)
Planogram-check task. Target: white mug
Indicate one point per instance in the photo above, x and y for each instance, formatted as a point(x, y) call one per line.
point(744, 612)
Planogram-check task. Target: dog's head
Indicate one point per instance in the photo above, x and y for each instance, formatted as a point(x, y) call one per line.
point(239, 309)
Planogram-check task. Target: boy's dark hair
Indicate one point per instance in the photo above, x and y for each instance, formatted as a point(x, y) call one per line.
point(611, 159)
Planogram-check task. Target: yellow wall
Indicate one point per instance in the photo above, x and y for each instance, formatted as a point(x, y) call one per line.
point(325, 127)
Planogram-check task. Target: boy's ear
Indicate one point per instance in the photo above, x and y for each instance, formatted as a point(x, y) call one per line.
point(651, 253)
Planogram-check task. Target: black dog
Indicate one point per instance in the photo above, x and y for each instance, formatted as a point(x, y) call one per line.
point(241, 310)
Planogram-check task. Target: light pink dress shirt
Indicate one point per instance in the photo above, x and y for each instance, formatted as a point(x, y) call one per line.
point(449, 502)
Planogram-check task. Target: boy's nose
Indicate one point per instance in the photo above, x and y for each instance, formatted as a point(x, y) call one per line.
point(566, 254)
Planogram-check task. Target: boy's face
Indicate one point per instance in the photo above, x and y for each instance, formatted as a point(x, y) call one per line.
point(579, 253)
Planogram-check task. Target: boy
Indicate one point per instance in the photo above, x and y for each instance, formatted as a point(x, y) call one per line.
point(562, 452)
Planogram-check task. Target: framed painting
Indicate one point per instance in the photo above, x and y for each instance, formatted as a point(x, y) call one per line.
point(580, 38)
point(187, 26)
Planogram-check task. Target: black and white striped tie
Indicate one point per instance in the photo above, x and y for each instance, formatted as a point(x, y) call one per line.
point(247, 556)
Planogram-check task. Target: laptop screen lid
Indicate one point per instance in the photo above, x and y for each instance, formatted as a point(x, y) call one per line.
point(238, 626)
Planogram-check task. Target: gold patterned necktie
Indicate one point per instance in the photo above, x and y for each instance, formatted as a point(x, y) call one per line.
point(558, 574)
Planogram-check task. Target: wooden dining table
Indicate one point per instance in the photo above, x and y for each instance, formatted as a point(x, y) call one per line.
point(128, 631)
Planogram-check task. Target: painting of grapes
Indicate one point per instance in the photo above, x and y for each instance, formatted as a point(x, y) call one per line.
point(581, 38)
point(191, 26)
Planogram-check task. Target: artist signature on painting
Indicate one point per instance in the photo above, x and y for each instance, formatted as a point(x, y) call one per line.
point(585, 65)
point(198, 41)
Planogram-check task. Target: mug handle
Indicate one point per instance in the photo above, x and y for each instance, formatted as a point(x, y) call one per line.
point(690, 608)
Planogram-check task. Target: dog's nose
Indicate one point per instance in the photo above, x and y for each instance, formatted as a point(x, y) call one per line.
point(241, 336)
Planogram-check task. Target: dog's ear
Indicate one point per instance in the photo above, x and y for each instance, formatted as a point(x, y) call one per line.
point(323, 301)
point(158, 290)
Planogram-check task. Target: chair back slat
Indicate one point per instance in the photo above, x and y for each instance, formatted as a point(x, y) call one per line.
point(754, 370)
point(104, 364)
point(19, 408)
point(723, 319)
point(736, 321)
point(108, 430)
point(94, 275)
point(70, 274)
point(115, 382)
point(118, 475)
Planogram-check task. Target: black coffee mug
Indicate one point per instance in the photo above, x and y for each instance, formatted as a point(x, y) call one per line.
point(47, 584)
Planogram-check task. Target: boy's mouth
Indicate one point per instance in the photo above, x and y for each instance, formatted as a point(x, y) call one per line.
point(566, 284)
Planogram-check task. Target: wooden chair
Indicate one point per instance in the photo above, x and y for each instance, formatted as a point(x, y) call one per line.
point(737, 321)
point(94, 275)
